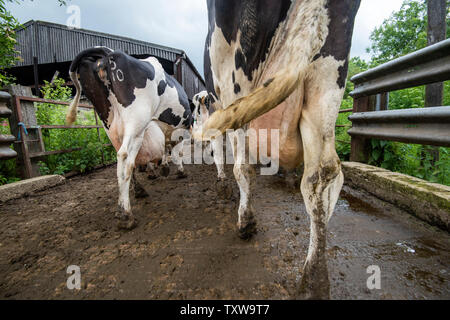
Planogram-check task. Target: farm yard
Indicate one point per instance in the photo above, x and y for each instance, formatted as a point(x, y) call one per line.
point(356, 208)
point(186, 244)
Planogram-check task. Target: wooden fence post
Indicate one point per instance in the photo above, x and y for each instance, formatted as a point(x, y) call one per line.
point(361, 146)
point(24, 117)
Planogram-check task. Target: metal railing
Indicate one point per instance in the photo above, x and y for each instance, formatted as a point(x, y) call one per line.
point(427, 126)
point(6, 139)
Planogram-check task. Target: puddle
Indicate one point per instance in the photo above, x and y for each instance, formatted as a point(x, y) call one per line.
point(358, 205)
point(416, 248)
point(427, 280)
point(405, 247)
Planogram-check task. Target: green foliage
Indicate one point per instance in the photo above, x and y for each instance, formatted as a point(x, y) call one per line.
point(90, 154)
point(83, 160)
point(413, 160)
point(8, 54)
point(404, 32)
point(7, 42)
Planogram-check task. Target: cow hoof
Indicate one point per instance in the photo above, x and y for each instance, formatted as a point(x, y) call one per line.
point(165, 171)
point(126, 221)
point(307, 292)
point(127, 225)
point(224, 189)
point(293, 182)
point(315, 284)
point(140, 193)
point(181, 175)
point(247, 232)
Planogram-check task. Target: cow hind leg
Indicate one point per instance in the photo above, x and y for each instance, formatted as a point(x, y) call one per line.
point(223, 187)
point(245, 176)
point(180, 169)
point(139, 191)
point(151, 171)
point(322, 178)
point(165, 167)
point(125, 166)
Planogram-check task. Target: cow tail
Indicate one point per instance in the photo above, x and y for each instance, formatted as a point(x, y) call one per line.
point(258, 102)
point(72, 114)
point(302, 39)
point(92, 53)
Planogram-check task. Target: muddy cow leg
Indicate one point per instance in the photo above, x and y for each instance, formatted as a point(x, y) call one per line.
point(125, 165)
point(217, 149)
point(151, 171)
point(322, 179)
point(245, 175)
point(165, 168)
point(139, 191)
point(223, 187)
point(180, 168)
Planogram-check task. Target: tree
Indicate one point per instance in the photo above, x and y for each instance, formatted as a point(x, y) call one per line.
point(7, 41)
point(8, 53)
point(405, 31)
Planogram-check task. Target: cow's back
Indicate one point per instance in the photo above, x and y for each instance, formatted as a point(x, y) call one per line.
point(251, 41)
point(240, 34)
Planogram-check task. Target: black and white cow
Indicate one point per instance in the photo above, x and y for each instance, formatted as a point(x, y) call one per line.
point(202, 109)
point(282, 65)
point(140, 106)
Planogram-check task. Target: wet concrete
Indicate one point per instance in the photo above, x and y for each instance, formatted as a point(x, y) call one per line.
point(186, 244)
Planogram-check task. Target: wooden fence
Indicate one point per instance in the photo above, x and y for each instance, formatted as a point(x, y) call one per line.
point(30, 144)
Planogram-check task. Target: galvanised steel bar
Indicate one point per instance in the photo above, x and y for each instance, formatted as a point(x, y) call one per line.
point(427, 126)
point(429, 65)
point(6, 139)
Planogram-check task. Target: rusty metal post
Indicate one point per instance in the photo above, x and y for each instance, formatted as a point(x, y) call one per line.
point(361, 146)
point(23, 141)
point(6, 139)
point(437, 30)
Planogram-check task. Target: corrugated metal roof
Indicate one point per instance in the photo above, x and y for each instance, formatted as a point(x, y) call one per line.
point(53, 43)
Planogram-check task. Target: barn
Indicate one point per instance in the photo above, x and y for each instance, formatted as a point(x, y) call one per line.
point(47, 48)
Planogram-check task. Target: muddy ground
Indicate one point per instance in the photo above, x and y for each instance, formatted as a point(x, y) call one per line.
point(186, 245)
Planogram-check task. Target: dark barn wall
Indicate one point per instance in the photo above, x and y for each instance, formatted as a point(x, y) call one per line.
point(55, 46)
point(52, 43)
point(192, 82)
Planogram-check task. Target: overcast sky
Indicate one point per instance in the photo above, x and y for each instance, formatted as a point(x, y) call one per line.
point(181, 24)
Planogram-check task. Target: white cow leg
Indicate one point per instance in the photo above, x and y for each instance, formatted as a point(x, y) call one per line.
point(125, 166)
point(323, 178)
point(217, 149)
point(165, 167)
point(139, 191)
point(223, 186)
point(151, 171)
point(245, 176)
point(180, 168)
